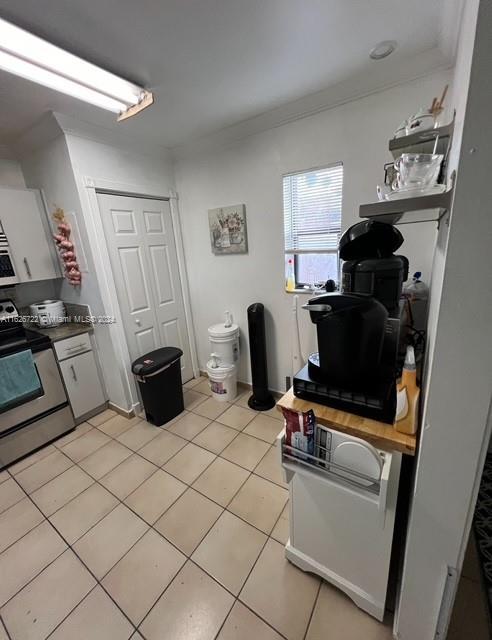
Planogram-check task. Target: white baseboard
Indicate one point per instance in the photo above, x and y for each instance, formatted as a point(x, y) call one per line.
point(128, 413)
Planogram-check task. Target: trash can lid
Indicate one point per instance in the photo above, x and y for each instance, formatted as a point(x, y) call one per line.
point(155, 360)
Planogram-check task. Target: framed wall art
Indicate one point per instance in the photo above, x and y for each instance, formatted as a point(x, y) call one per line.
point(228, 234)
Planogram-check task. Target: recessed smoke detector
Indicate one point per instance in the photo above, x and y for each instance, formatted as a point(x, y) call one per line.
point(382, 49)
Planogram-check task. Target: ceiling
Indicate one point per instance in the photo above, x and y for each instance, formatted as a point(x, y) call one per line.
point(215, 63)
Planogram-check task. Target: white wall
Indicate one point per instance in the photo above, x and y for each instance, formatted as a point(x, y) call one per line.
point(456, 416)
point(11, 173)
point(250, 172)
point(123, 165)
point(112, 164)
point(56, 157)
point(48, 168)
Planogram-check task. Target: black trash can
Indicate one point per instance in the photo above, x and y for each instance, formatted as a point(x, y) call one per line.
point(159, 379)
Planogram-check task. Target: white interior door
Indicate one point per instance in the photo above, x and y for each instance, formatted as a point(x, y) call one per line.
point(142, 250)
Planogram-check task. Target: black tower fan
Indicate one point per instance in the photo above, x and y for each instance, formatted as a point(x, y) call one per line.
point(262, 399)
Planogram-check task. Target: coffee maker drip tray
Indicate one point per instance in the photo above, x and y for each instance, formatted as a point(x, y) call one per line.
point(377, 401)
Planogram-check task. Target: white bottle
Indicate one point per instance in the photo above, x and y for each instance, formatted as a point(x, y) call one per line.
point(417, 292)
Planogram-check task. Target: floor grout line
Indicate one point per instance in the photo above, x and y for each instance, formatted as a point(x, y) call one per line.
point(224, 509)
point(37, 574)
point(121, 501)
point(12, 505)
point(4, 626)
point(45, 519)
point(313, 610)
point(98, 584)
point(189, 485)
point(70, 547)
point(225, 619)
point(188, 557)
point(140, 484)
point(269, 624)
point(54, 477)
point(31, 529)
point(12, 475)
point(115, 438)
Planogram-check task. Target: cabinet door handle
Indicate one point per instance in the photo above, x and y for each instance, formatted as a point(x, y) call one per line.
point(74, 375)
point(26, 264)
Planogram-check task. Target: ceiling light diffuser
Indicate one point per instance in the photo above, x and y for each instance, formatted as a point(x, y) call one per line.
point(30, 57)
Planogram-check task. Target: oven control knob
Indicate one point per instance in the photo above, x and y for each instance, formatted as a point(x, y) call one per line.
point(9, 309)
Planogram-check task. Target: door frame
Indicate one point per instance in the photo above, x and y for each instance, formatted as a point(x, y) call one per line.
point(107, 285)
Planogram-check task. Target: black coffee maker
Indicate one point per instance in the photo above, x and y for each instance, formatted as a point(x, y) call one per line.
point(350, 330)
point(358, 328)
point(370, 266)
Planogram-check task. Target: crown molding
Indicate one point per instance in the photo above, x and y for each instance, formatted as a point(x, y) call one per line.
point(54, 124)
point(359, 86)
point(110, 137)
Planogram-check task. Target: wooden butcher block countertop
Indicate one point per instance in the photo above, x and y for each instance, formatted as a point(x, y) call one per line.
point(380, 434)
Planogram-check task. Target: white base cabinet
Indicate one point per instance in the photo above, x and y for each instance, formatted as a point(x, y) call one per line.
point(80, 374)
point(343, 533)
point(82, 383)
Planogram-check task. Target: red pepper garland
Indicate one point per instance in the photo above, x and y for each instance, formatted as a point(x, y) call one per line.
point(66, 248)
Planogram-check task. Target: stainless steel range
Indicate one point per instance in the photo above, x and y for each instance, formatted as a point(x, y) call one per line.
point(33, 414)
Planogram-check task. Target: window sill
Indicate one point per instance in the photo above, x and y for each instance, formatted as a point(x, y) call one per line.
point(306, 291)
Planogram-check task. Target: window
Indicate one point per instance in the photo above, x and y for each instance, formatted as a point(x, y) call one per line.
point(312, 224)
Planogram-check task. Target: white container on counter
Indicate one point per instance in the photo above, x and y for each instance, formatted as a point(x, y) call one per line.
point(48, 313)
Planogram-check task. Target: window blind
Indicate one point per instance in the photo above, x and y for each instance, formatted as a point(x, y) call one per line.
point(313, 210)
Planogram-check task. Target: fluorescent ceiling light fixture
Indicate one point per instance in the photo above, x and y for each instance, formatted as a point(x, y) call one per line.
point(30, 57)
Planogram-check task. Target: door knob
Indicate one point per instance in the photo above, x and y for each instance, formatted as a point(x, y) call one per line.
point(138, 321)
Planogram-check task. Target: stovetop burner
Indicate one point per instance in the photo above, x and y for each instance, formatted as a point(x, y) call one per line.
point(14, 337)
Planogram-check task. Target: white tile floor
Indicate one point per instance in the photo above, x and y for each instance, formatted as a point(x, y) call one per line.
point(125, 530)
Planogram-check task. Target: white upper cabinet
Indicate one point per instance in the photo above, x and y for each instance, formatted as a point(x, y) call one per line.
point(25, 223)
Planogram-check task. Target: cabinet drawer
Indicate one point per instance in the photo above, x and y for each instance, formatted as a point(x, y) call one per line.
point(72, 346)
point(82, 382)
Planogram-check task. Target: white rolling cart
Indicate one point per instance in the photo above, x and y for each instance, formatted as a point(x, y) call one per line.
point(342, 513)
